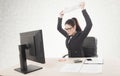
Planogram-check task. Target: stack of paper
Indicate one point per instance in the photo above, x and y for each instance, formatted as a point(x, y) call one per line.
point(91, 68)
point(94, 61)
point(71, 68)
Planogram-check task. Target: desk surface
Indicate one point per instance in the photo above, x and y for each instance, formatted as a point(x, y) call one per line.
point(111, 67)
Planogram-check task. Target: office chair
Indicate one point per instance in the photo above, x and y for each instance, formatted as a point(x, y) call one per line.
point(89, 47)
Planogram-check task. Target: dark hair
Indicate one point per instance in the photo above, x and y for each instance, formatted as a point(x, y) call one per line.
point(74, 22)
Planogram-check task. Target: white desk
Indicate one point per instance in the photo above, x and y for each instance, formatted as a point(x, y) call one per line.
point(111, 67)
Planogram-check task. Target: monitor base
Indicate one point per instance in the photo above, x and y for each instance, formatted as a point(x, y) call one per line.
point(30, 68)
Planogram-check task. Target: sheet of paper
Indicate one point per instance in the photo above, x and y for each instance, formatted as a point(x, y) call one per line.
point(91, 68)
point(71, 68)
point(94, 61)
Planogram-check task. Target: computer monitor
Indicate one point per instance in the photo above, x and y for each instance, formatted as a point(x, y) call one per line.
point(31, 48)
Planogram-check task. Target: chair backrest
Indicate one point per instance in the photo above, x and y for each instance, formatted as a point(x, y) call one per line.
point(90, 47)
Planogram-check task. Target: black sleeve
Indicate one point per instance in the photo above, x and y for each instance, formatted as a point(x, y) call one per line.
point(59, 27)
point(88, 24)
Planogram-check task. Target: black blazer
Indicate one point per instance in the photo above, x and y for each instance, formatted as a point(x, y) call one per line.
point(74, 46)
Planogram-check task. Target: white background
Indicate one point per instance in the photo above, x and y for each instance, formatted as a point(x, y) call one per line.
point(18, 16)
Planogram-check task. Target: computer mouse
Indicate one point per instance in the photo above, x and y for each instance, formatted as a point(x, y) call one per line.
point(89, 59)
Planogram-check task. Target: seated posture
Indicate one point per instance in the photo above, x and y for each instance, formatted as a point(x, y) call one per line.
point(73, 33)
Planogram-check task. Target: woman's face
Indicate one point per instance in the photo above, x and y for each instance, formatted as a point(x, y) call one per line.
point(69, 29)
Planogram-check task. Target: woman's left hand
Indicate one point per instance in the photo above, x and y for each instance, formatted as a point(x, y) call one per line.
point(82, 5)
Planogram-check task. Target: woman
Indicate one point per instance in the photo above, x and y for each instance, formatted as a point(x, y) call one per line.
point(73, 33)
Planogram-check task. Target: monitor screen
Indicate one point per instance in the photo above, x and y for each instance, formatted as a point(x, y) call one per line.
point(31, 48)
point(34, 42)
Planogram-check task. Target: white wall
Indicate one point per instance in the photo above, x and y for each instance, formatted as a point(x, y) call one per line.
point(26, 15)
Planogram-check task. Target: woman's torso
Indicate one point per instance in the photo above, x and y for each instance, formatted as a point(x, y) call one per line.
point(74, 45)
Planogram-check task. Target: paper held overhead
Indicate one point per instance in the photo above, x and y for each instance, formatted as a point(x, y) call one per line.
point(72, 8)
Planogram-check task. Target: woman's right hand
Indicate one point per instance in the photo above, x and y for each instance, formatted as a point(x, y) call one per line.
point(61, 14)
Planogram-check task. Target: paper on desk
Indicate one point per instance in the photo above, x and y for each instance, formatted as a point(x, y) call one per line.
point(94, 61)
point(91, 68)
point(71, 68)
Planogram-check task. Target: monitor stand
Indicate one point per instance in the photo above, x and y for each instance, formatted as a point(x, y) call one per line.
point(30, 68)
point(23, 63)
